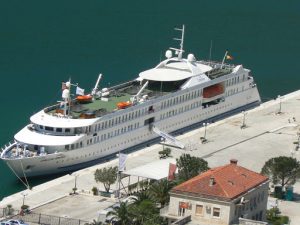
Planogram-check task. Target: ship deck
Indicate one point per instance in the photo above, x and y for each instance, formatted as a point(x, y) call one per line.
point(105, 105)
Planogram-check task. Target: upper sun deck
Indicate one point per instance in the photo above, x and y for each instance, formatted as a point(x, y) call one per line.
point(160, 82)
point(101, 106)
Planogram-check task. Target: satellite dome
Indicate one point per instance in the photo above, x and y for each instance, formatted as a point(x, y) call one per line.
point(68, 84)
point(191, 57)
point(168, 54)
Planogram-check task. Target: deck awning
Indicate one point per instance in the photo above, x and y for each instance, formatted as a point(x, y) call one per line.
point(156, 170)
point(34, 138)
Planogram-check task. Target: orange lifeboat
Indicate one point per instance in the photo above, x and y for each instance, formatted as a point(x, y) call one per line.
point(124, 105)
point(213, 91)
point(84, 98)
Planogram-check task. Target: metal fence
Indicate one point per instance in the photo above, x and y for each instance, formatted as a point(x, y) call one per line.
point(183, 220)
point(40, 218)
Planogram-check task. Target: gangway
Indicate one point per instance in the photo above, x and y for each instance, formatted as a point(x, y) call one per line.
point(168, 137)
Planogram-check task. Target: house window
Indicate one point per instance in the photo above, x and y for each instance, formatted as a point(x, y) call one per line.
point(199, 210)
point(216, 212)
point(182, 207)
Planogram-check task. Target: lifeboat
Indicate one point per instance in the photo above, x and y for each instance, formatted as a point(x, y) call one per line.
point(124, 105)
point(213, 91)
point(84, 98)
point(87, 115)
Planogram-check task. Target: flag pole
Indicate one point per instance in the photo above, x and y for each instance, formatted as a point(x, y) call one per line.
point(119, 179)
point(224, 59)
point(211, 44)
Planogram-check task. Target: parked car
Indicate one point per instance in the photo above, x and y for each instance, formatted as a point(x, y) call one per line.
point(15, 222)
point(4, 223)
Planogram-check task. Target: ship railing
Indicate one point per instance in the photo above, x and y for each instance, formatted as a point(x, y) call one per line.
point(50, 108)
point(118, 86)
point(7, 146)
point(216, 64)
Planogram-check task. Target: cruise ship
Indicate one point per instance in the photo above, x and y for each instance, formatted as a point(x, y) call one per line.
point(177, 93)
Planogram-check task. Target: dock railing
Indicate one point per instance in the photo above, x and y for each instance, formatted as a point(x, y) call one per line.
point(183, 220)
point(39, 218)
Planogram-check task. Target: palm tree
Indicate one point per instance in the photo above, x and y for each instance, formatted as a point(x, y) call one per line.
point(139, 197)
point(121, 214)
point(143, 211)
point(159, 192)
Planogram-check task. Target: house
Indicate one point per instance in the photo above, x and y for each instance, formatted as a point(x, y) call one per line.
point(220, 196)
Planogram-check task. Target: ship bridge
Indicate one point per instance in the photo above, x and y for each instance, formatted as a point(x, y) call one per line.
point(175, 70)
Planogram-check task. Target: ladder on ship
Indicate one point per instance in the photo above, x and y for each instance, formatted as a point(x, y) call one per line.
point(168, 137)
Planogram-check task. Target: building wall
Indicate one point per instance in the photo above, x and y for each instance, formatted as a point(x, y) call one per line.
point(255, 204)
point(254, 207)
point(213, 212)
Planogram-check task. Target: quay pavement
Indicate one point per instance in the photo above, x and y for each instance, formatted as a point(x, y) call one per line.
point(270, 131)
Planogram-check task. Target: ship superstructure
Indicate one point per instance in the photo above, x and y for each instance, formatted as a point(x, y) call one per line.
point(175, 94)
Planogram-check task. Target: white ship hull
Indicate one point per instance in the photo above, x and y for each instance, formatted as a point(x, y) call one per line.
point(82, 157)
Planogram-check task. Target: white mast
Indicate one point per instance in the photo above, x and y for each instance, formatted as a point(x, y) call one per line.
point(179, 52)
point(95, 89)
point(224, 59)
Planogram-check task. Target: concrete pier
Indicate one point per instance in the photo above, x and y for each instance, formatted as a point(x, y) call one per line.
point(269, 130)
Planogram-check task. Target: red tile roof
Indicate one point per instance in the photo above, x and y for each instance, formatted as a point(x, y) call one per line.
point(230, 181)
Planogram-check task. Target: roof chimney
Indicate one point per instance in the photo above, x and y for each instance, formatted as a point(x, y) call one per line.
point(233, 161)
point(211, 181)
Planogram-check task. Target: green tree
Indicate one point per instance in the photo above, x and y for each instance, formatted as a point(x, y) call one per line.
point(159, 192)
point(190, 166)
point(122, 214)
point(282, 170)
point(106, 176)
point(143, 211)
point(140, 196)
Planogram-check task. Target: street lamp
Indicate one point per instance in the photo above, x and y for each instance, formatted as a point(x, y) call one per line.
point(279, 111)
point(24, 195)
point(203, 139)
point(244, 120)
point(75, 182)
point(298, 142)
point(163, 140)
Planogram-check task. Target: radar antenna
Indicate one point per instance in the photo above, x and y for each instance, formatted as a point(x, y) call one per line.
point(179, 52)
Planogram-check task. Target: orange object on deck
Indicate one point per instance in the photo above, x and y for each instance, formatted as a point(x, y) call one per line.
point(123, 105)
point(213, 90)
point(84, 98)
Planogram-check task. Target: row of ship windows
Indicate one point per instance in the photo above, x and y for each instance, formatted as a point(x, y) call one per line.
point(197, 115)
point(136, 125)
point(53, 129)
point(109, 148)
point(235, 80)
point(180, 99)
point(103, 137)
point(180, 110)
point(123, 118)
point(233, 91)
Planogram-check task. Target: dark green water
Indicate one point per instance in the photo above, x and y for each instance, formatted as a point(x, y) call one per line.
point(45, 42)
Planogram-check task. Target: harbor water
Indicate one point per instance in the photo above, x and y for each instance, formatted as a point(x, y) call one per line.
point(43, 43)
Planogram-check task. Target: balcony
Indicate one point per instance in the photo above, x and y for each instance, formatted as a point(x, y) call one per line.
point(179, 220)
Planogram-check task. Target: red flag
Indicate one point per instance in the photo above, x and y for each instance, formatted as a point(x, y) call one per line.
point(172, 170)
point(229, 57)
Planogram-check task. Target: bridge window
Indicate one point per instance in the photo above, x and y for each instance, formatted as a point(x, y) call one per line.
point(49, 128)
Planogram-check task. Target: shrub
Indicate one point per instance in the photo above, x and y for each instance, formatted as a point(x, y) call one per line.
point(95, 191)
